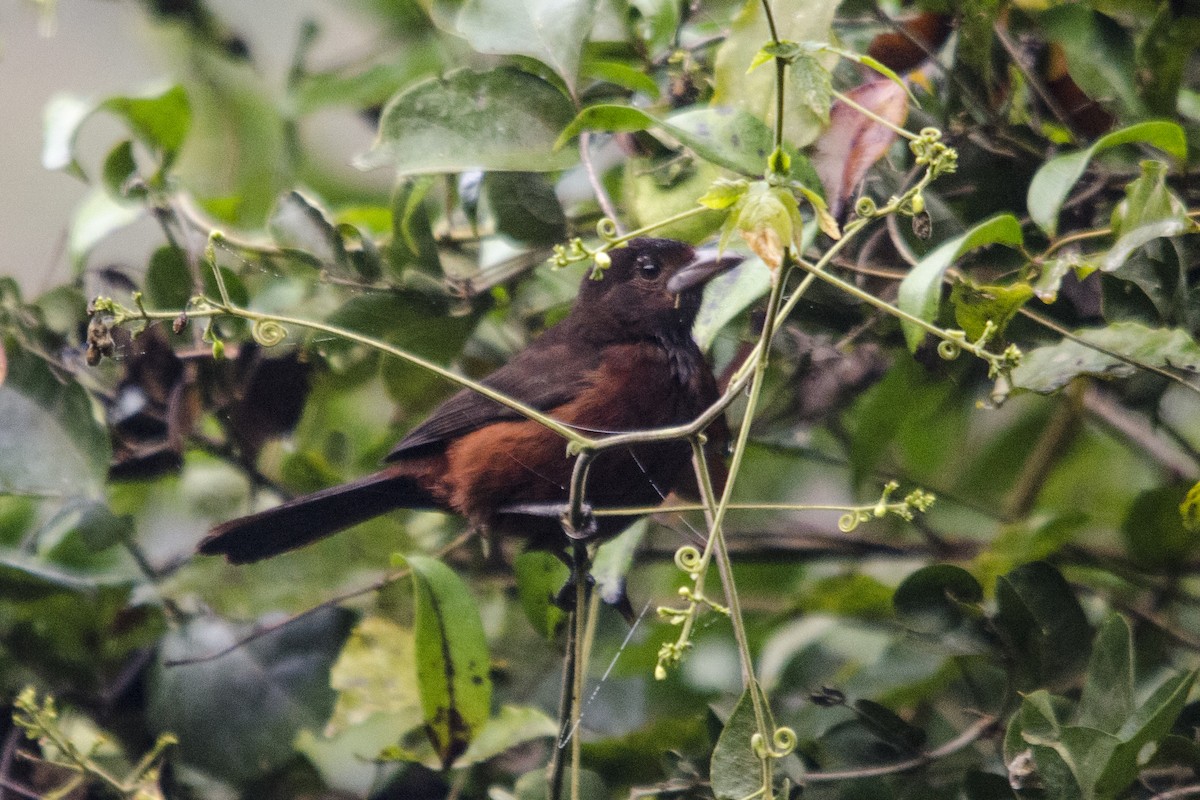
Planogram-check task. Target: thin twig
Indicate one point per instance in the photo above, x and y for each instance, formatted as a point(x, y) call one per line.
point(964, 740)
point(606, 203)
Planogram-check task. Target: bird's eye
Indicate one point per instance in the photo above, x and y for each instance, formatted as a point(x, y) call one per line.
point(647, 266)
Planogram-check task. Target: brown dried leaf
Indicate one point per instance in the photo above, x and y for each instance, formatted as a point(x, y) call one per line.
point(853, 142)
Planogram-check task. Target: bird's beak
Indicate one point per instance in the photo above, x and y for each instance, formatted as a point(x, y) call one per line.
point(707, 264)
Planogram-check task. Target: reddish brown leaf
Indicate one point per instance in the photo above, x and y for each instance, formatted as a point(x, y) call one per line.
point(853, 142)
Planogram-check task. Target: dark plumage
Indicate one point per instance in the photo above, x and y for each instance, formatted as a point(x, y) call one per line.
point(622, 360)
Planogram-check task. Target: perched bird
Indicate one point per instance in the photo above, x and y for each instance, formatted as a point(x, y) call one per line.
point(622, 360)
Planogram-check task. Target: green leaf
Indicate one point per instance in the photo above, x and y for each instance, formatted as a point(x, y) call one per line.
point(1189, 509)
point(513, 726)
point(614, 560)
point(99, 215)
point(1053, 181)
point(504, 119)
point(1154, 534)
point(168, 281)
point(728, 295)
point(813, 85)
point(259, 696)
point(376, 673)
point(888, 726)
point(931, 599)
point(452, 658)
point(1043, 623)
point(736, 771)
point(621, 74)
point(800, 21)
point(1099, 54)
point(297, 223)
point(160, 121)
point(119, 167)
point(1163, 53)
point(731, 139)
point(23, 579)
point(551, 31)
point(921, 290)
point(525, 207)
point(540, 577)
point(1108, 692)
point(1149, 211)
point(975, 306)
point(61, 120)
point(1047, 369)
point(50, 442)
point(658, 24)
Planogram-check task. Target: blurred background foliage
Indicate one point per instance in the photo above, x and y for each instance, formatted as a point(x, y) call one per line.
point(1034, 634)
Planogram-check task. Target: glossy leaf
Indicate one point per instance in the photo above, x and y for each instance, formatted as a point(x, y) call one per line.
point(1053, 181)
point(1047, 369)
point(504, 119)
point(452, 658)
point(921, 290)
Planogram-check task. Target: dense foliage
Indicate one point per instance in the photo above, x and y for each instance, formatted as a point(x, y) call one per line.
point(972, 230)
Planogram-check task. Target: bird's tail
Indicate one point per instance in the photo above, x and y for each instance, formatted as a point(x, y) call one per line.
point(306, 519)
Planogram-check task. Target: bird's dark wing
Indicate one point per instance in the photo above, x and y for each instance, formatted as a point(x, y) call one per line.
point(547, 374)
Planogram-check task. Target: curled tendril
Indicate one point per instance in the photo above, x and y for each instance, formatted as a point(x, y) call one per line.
point(783, 742)
point(688, 558)
point(865, 208)
point(949, 350)
point(931, 134)
point(851, 519)
point(607, 230)
point(268, 332)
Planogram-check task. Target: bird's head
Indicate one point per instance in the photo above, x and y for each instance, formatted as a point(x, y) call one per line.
point(652, 283)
